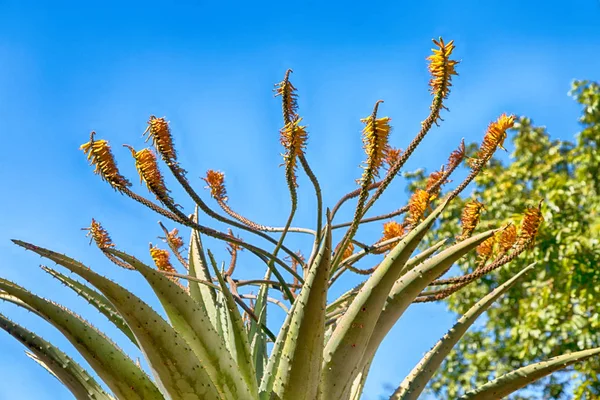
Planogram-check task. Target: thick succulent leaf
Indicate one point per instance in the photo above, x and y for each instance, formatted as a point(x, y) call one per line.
point(96, 299)
point(347, 344)
point(408, 287)
point(299, 370)
point(515, 380)
point(174, 364)
point(359, 383)
point(192, 323)
point(64, 368)
point(238, 338)
point(258, 339)
point(121, 375)
point(198, 267)
point(344, 299)
point(268, 378)
point(417, 380)
point(15, 300)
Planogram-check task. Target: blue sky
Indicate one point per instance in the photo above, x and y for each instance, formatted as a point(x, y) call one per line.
point(69, 67)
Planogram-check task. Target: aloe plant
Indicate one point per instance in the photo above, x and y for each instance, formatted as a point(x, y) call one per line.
point(215, 344)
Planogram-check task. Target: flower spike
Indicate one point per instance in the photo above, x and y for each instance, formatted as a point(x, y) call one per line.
point(99, 154)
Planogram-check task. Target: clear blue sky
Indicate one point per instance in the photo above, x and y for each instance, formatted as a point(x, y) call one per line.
point(69, 67)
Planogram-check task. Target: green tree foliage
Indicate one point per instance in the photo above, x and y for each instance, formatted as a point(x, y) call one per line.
point(556, 311)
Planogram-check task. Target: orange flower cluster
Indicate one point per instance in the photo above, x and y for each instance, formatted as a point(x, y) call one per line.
point(174, 239)
point(494, 138)
point(161, 259)
point(417, 205)
point(375, 143)
point(392, 155)
point(507, 238)
point(530, 225)
point(158, 130)
point(293, 138)
point(147, 167)
point(216, 184)
point(486, 248)
point(441, 68)
point(100, 155)
point(99, 235)
point(470, 218)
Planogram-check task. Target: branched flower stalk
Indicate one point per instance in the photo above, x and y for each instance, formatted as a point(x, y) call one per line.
point(216, 342)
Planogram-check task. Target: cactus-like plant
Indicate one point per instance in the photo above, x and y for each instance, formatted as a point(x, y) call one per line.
point(214, 345)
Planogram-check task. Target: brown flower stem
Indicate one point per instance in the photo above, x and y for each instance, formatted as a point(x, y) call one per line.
point(192, 193)
point(176, 215)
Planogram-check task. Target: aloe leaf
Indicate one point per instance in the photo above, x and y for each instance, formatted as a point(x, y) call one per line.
point(192, 323)
point(239, 339)
point(515, 380)
point(359, 383)
point(15, 300)
point(408, 287)
point(174, 364)
point(347, 344)
point(63, 367)
point(422, 256)
point(198, 267)
point(268, 378)
point(415, 382)
point(122, 376)
point(97, 300)
point(299, 370)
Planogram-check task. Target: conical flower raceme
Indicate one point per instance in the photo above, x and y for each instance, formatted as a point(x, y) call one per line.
point(99, 154)
point(289, 98)
point(494, 138)
point(391, 230)
point(470, 218)
point(441, 68)
point(147, 167)
point(417, 206)
point(99, 235)
point(392, 155)
point(347, 252)
point(456, 157)
point(159, 132)
point(174, 239)
point(216, 184)
point(375, 142)
point(435, 182)
point(162, 259)
point(486, 248)
point(293, 137)
point(530, 226)
point(507, 238)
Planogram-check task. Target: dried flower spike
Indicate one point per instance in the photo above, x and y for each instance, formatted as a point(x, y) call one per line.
point(375, 143)
point(158, 130)
point(417, 205)
point(99, 235)
point(470, 218)
point(100, 155)
point(289, 98)
point(147, 167)
point(216, 184)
